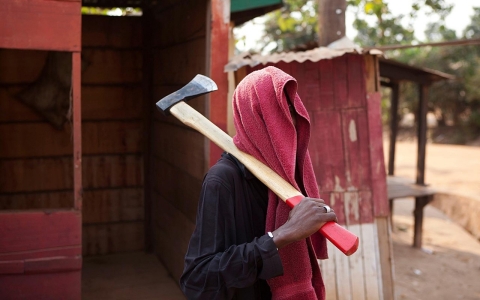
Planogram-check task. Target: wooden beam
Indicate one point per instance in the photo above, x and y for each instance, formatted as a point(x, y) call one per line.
point(422, 132)
point(218, 27)
point(385, 249)
point(420, 203)
point(398, 73)
point(393, 126)
point(58, 285)
point(38, 230)
point(42, 25)
point(462, 42)
point(379, 177)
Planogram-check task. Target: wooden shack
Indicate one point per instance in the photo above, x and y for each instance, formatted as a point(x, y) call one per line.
point(341, 91)
point(87, 164)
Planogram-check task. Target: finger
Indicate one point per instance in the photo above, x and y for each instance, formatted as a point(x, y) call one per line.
point(331, 216)
point(316, 200)
point(327, 208)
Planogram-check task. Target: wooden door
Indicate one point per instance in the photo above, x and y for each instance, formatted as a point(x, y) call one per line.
point(40, 249)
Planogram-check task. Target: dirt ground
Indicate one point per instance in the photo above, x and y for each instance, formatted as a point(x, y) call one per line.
point(448, 266)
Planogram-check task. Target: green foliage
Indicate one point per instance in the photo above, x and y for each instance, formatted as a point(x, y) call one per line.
point(387, 29)
point(114, 11)
point(454, 102)
point(293, 26)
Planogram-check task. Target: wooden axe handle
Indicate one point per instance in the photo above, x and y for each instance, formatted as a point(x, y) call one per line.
point(343, 239)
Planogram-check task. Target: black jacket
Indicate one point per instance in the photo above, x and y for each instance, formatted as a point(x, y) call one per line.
point(229, 255)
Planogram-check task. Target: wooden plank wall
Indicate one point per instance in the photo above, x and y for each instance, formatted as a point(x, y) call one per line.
point(347, 168)
point(178, 153)
point(112, 124)
point(35, 158)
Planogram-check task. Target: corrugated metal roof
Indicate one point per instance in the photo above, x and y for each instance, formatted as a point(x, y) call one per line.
point(388, 68)
point(335, 49)
point(314, 55)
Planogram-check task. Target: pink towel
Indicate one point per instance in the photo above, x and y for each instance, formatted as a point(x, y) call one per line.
point(266, 131)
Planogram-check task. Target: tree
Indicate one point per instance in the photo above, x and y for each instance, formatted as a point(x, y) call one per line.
point(454, 102)
point(387, 28)
point(294, 26)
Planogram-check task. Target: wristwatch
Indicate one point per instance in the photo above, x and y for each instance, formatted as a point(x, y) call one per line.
point(271, 235)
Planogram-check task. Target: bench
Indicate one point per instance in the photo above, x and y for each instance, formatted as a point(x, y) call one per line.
point(399, 187)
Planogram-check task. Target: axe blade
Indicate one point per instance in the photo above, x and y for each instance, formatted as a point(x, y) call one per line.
point(198, 86)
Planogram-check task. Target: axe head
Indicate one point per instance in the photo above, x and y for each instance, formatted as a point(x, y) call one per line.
point(198, 86)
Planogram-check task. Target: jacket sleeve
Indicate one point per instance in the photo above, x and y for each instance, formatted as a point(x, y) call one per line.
point(214, 264)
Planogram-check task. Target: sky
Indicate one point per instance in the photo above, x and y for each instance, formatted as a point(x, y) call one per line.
point(458, 19)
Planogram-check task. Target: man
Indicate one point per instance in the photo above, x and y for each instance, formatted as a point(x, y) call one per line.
point(247, 243)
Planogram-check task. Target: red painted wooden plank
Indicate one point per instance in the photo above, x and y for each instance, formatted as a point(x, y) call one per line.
point(100, 171)
point(50, 286)
point(340, 83)
point(219, 24)
point(355, 134)
point(35, 230)
point(12, 267)
point(35, 175)
point(379, 181)
point(40, 24)
point(337, 202)
point(327, 152)
point(124, 33)
point(53, 264)
point(42, 265)
point(33, 139)
point(64, 251)
point(356, 80)
point(352, 209)
point(365, 202)
point(295, 69)
point(325, 84)
point(292, 68)
point(309, 81)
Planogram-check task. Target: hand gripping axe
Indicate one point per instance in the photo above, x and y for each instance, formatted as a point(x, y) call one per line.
point(175, 104)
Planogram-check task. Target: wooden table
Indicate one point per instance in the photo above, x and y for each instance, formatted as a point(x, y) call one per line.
point(399, 187)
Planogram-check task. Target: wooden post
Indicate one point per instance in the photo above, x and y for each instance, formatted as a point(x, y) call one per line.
point(382, 240)
point(393, 126)
point(218, 27)
point(422, 132)
point(420, 202)
point(331, 20)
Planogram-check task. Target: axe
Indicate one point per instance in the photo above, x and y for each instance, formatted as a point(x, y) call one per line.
point(175, 104)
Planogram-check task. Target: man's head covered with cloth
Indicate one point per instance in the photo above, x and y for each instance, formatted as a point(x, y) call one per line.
point(273, 125)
